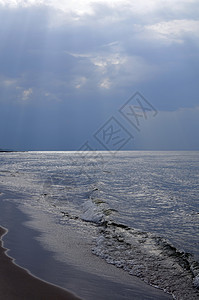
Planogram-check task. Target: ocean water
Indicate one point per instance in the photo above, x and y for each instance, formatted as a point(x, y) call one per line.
point(136, 210)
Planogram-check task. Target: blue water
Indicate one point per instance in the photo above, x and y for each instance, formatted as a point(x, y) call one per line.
point(154, 194)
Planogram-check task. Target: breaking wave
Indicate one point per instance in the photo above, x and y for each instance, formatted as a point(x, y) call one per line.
point(146, 255)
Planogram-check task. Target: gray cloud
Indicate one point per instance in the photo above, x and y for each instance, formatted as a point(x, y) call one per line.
point(63, 72)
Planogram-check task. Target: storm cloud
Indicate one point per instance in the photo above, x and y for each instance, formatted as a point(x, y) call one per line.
point(65, 68)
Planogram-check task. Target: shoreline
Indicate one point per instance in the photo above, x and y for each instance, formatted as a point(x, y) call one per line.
point(94, 279)
point(24, 254)
point(24, 240)
point(18, 283)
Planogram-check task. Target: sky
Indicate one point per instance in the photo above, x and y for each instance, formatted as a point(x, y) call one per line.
point(99, 75)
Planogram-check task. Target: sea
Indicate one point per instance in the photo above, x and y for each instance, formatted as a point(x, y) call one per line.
point(137, 211)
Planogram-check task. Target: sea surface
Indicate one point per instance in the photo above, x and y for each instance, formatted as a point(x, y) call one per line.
point(136, 210)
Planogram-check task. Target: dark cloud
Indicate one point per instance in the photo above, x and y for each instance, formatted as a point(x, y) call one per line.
point(63, 75)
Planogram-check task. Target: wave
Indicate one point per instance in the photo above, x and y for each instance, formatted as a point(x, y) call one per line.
point(152, 258)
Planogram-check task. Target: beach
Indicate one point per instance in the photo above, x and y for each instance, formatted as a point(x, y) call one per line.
point(88, 232)
point(17, 283)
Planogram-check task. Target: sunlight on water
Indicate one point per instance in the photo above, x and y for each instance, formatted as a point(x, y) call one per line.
point(144, 203)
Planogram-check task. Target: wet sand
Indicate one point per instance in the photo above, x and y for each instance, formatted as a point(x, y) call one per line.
point(107, 282)
point(17, 283)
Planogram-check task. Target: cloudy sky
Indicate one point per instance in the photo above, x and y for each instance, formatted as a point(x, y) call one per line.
point(107, 74)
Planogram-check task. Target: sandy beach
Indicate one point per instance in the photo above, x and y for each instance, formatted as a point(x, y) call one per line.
point(17, 283)
point(83, 274)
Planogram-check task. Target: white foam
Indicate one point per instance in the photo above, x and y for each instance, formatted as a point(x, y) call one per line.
point(92, 213)
point(149, 257)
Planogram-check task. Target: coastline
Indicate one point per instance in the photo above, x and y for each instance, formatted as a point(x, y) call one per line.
point(58, 239)
point(25, 251)
point(17, 283)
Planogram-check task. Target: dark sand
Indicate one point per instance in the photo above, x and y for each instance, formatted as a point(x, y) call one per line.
point(17, 283)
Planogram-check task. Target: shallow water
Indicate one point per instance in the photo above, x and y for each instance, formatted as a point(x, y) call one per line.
point(153, 194)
